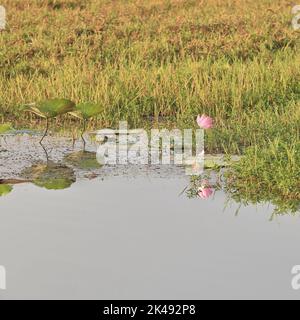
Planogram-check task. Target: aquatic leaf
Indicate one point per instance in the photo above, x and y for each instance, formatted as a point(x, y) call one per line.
point(5, 189)
point(215, 161)
point(52, 176)
point(51, 108)
point(83, 160)
point(219, 161)
point(54, 183)
point(6, 127)
point(86, 110)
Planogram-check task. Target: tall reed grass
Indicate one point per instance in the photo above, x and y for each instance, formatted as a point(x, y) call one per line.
point(158, 63)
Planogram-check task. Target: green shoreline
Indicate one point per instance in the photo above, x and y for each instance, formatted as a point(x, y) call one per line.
point(159, 64)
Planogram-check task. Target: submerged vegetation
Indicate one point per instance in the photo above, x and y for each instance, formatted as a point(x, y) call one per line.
point(159, 63)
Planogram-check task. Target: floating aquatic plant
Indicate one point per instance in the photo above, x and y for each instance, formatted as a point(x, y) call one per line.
point(50, 109)
point(50, 175)
point(86, 110)
point(83, 160)
point(5, 189)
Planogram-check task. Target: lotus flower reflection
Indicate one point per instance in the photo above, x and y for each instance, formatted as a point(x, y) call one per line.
point(205, 191)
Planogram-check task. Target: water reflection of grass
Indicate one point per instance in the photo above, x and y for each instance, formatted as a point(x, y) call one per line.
point(263, 175)
point(268, 175)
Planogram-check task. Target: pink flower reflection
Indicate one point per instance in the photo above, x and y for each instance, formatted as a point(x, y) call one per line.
point(205, 193)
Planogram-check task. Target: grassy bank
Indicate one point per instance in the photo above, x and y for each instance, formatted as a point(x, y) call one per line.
point(268, 175)
point(159, 62)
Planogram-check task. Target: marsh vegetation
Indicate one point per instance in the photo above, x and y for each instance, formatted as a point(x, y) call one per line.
point(160, 63)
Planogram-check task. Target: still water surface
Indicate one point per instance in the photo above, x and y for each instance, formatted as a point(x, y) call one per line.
point(136, 238)
point(130, 232)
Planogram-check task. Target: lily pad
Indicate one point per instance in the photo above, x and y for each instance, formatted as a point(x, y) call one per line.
point(51, 176)
point(5, 189)
point(86, 110)
point(83, 160)
point(215, 162)
point(218, 161)
point(51, 108)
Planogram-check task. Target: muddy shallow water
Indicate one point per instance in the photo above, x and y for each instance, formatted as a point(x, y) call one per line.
point(129, 233)
point(23, 151)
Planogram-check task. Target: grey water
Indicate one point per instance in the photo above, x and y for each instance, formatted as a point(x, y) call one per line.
point(72, 230)
point(136, 238)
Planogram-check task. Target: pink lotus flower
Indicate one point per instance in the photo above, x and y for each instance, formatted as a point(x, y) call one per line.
point(205, 192)
point(205, 122)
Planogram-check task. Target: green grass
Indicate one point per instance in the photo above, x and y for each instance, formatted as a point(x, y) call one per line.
point(159, 63)
point(263, 175)
point(268, 175)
